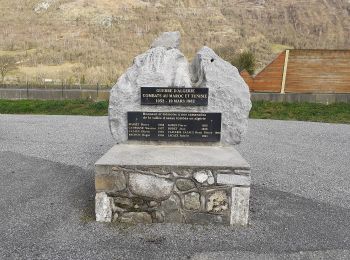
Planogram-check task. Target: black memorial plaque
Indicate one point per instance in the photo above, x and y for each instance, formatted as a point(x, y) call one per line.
point(174, 96)
point(174, 126)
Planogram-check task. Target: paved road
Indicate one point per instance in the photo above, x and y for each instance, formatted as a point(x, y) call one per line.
point(300, 199)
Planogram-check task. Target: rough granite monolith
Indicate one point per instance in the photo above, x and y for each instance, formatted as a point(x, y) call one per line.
point(165, 66)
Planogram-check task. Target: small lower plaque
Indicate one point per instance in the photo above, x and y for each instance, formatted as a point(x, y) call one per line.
point(174, 126)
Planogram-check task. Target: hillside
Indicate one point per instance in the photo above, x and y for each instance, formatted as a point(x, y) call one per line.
point(91, 41)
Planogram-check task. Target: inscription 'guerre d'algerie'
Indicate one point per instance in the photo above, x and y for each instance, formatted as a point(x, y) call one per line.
point(174, 96)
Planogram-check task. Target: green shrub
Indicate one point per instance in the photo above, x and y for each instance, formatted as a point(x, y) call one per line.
point(242, 61)
point(245, 61)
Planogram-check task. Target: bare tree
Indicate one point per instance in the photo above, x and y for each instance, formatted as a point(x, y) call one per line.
point(7, 63)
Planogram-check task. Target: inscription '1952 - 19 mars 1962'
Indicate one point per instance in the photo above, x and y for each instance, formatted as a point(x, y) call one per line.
point(174, 96)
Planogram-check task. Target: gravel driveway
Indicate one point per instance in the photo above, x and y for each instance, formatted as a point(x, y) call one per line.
point(300, 196)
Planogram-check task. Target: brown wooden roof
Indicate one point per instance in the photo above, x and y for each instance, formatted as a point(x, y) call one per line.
point(308, 71)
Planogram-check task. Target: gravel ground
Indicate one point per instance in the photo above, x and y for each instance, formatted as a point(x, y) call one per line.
point(300, 198)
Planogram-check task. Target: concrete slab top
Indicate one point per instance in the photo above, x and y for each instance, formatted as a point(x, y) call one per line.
point(166, 155)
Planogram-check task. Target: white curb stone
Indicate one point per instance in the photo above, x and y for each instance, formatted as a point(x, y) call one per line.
point(103, 207)
point(240, 206)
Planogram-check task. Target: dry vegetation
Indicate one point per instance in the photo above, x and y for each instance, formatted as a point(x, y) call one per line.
point(90, 41)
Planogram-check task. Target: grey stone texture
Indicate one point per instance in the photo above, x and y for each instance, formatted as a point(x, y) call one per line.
point(217, 201)
point(204, 177)
point(166, 156)
point(123, 202)
point(183, 191)
point(185, 184)
point(120, 181)
point(103, 207)
point(211, 180)
point(228, 179)
point(240, 206)
point(159, 216)
point(172, 210)
point(109, 181)
point(150, 186)
point(165, 66)
point(243, 172)
point(192, 201)
point(201, 176)
point(153, 204)
point(229, 93)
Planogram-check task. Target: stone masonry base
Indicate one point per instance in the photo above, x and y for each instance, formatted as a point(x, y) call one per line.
point(177, 184)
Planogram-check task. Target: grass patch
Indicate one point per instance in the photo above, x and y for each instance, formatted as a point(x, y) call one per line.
point(54, 107)
point(17, 52)
point(333, 113)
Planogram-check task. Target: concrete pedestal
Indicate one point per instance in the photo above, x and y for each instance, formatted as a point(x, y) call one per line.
point(178, 184)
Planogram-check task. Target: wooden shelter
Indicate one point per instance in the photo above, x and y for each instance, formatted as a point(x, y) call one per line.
point(304, 71)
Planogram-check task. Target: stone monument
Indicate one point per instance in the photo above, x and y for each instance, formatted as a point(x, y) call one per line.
point(175, 125)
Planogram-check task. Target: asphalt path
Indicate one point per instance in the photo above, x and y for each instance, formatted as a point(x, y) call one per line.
point(300, 201)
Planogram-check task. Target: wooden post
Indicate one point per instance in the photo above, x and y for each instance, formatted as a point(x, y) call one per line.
point(27, 91)
point(285, 68)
